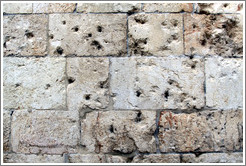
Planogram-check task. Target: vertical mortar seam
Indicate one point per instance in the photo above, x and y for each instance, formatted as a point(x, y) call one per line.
point(127, 37)
point(111, 102)
point(156, 133)
point(183, 34)
point(47, 33)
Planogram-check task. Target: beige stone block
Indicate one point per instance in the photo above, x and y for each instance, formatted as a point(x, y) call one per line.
point(96, 158)
point(6, 130)
point(167, 7)
point(53, 7)
point(157, 158)
point(17, 7)
point(206, 8)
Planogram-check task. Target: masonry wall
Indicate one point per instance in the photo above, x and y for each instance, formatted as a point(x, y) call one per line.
point(129, 82)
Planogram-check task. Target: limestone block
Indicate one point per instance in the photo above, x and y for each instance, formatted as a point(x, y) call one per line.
point(236, 157)
point(34, 83)
point(119, 131)
point(157, 82)
point(6, 129)
point(224, 83)
point(167, 7)
point(25, 35)
point(84, 35)
point(95, 158)
point(108, 7)
point(155, 34)
point(201, 132)
point(32, 158)
point(214, 34)
point(17, 7)
point(206, 8)
point(157, 158)
point(46, 132)
point(53, 7)
point(88, 83)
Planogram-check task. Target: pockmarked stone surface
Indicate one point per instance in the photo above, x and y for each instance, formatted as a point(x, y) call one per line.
point(17, 7)
point(53, 7)
point(32, 158)
point(157, 83)
point(214, 34)
point(84, 35)
point(157, 158)
point(25, 35)
point(167, 7)
point(236, 157)
point(34, 83)
point(155, 34)
point(108, 7)
point(119, 131)
point(46, 132)
point(201, 132)
point(206, 8)
point(88, 83)
point(6, 129)
point(95, 158)
point(224, 83)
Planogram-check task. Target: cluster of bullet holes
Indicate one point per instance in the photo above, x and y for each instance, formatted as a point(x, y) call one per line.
point(29, 34)
point(96, 44)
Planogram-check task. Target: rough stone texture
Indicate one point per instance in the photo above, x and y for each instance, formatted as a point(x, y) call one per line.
point(88, 83)
point(214, 34)
point(46, 132)
point(108, 7)
point(6, 129)
point(157, 83)
point(53, 7)
point(157, 158)
point(119, 131)
point(201, 132)
point(95, 158)
point(25, 35)
point(34, 83)
point(224, 83)
point(17, 8)
point(214, 158)
point(93, 34)
point(167, 7)
point(155, 34)
point(206, 8)
point(32, 158)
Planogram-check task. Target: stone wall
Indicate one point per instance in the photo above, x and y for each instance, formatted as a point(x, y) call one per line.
point(123, 82)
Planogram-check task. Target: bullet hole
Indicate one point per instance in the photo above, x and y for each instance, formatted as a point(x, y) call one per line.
point(96, 44)
point(164, 23)
point(170, 82)
point(89, 35)
point(138, 93)
point(75, 29)
point(99, 29)
point(192, 56)
point(194, 26)
point(175, 23)
point(29, 34)
point(71, 80)
point(225, 5)
point(166, 94)
point(17, 85)
point(51, 36)
point(4, 45)
point(63, 22)
point(140, 20)
point(111, 129)
point(193, 66)
point(203, 42)
point(135, 44)
point(139, 117)
point(145, 42)
point(87, 97)
point(47, 86)
point(59, 50)
point(135, 51)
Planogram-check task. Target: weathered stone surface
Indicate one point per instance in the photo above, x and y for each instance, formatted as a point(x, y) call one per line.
point(6, 130)
point(32, 158)
point(46, 132)
point(25, 35)
point(214, 34)
point(119, 131)
point(88, 83)
point(157, 83)
point(157, 158)
point(95, 158)
point(17, 7)
point(214, 158)
point(224, 83)
point(93, 34)
point(108, 7)
point(167, 7)
point(206, 8)
point(201, 132)
point(155, 34)
point(53, 7)
point(34, 83)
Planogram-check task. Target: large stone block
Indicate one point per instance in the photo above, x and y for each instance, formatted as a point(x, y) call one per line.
point(96, 158)
point(25, 35)
point(84, 35)
point(201, 132)
point(157, 83)
point(34, 83)
point(46, 132)
point(167, 7)
point(88, 83)
point(214, 34)
point(119, 131)
point(6, 129)
point(155, 34)
point(17, 7)
point(224, 83)
point(157, 158)
point(206, 8)
point(53, 7)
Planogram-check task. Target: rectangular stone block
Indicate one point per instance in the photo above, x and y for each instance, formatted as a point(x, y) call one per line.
point(6, 129)
point(53, 7)
point(205, 131)
point(157, 158)
point(167, 7)
point(108, 7)
point(206, 8)
point(95, 158)
point(224, 83)
point(88, 83)
point(46, 132)
point(87, 35)
point(17, 7)
point(119, 131)
point(25, 35)
point(214, 34)
point(34, 83)
point(155, 34)
point(157, 82)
